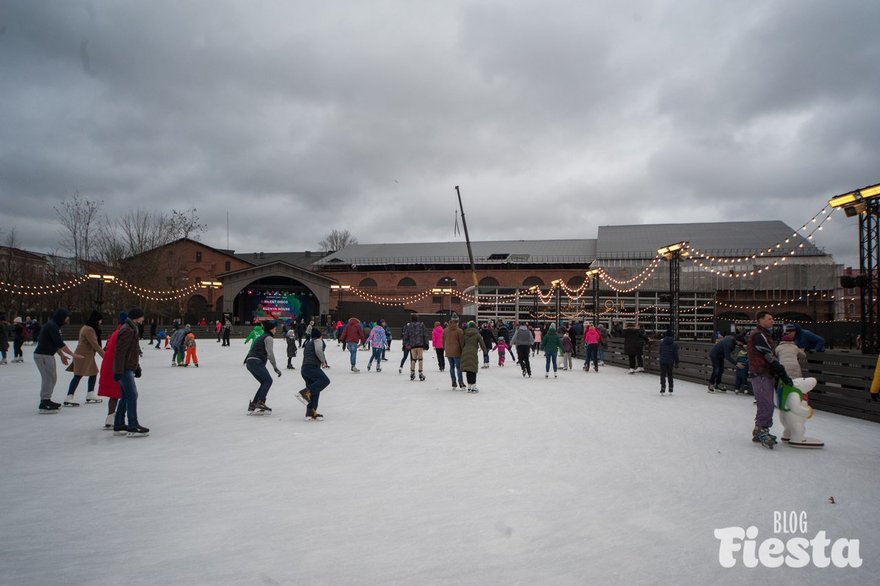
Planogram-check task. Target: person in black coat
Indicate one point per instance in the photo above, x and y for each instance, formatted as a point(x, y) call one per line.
point(668, 358)
point(634, 340)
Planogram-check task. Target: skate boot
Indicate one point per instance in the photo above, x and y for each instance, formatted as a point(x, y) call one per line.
point(47, 406)
point(355, 369)
point(412, 375)
point(762, 435)
point(3, 361)
point(473, 389)
point(137, 431)
point(69, 402)
point(304, 396)
point(91, 397)
point(421, 376)
point(314, 416)
point(108, 423)
point(261, 406)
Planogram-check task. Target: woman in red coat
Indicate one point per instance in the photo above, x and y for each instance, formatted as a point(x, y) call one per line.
point(107, 387)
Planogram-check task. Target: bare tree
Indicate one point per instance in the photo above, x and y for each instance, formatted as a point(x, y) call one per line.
point(185, 224)
point(78, 217)
point(337, 240)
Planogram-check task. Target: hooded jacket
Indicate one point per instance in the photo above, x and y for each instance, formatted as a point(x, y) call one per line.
point(352, 332)
point(522, 337)
point(453, 340)
point(50, 341)
point(473, 342)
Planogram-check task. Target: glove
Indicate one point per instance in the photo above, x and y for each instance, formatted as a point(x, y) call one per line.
point(117, 377)
point(137, 372)
point(278, 372)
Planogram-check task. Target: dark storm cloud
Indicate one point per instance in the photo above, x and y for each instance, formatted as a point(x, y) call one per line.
point(554, 117)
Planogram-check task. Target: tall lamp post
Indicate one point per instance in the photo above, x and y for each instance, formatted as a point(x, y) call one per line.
point(673, 253)
point(557, 284)
point(99, 301)
point(865, 203)
point(534, 289)
point(443, 291)
point(341, 289)
point(594, 275)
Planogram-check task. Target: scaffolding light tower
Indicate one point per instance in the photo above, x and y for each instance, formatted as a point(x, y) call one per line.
point(865, 203)
point(673, 253)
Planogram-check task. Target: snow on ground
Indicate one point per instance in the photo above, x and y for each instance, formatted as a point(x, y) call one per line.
point(585, 479)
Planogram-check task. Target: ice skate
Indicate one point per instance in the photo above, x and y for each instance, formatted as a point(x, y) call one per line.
point(138, 431)
point(304, 397)
point(421, 376)
point(69, 402)
point(461, 386)
point(120, 431)
point(412, 375)
point(46, 406)
point(314, 416)
point(640, 369)
point(355, 369)
point(108, 423)
point(662, 392)
point(92, 398)
point(711, 388)
point(473, 389)
point(631, 371)
point(2, 362)
point(762, 435)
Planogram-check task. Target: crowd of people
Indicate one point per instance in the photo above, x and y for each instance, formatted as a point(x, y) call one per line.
point(760, 360)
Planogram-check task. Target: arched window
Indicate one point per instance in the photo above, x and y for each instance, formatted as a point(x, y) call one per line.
point(367, 283)
point(533, 281)
point(489, 282)
point(575, 282)
point(406, 282)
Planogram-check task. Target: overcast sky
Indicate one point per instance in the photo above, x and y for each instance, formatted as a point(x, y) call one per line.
point(554, 117)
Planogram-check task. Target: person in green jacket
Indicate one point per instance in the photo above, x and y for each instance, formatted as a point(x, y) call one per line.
point(550, 344)
point(472, 344)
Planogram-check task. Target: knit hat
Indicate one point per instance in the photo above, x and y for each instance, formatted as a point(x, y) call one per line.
point(135, 312)
point(122, 317)
point(471, 324)
point(552, 326)
point(17, 320)
point(316, 333)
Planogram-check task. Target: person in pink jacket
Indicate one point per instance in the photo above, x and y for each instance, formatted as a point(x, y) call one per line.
point(437, 342)
point(592, 337)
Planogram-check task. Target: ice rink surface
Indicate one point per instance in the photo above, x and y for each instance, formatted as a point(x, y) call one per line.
point(583, 479)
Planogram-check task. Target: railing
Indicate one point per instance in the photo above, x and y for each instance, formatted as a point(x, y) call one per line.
point(844, 378)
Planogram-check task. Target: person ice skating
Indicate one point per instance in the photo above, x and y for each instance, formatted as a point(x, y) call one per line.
point(312, 370)
point(437, 342)
point(49, 343)
point(741, 380)
point(724, 349)
point(472, 345)
point(227, 331)
point(290, 337)
point(794, 412)
point(567, 347)
point(352, 337)
point(634, 340)
point(152, 330)
point(4, 338)
point(538, 334)
point(523, 340)
point(178, 340)
point(550, 345)
point(262, 351)
point(604, 334)
point(592, 338)
point(18, 336)
point(160, 336)
point(502, 348)
point(218, 329)
point(377, 343)
point(126, 368)
point(258, 330)
point(88, 345)
point(489, 341)
point(107, 385)
point(668, 359)
point(763, 365)
point(189, 343)
point(453, 339)
point(415, 338)
point(789, 354)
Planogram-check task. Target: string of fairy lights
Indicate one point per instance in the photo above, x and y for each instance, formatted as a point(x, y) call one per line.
point(141, 292)
point(705, 261)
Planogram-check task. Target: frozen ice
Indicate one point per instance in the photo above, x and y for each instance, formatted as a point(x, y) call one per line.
point(591, 478)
